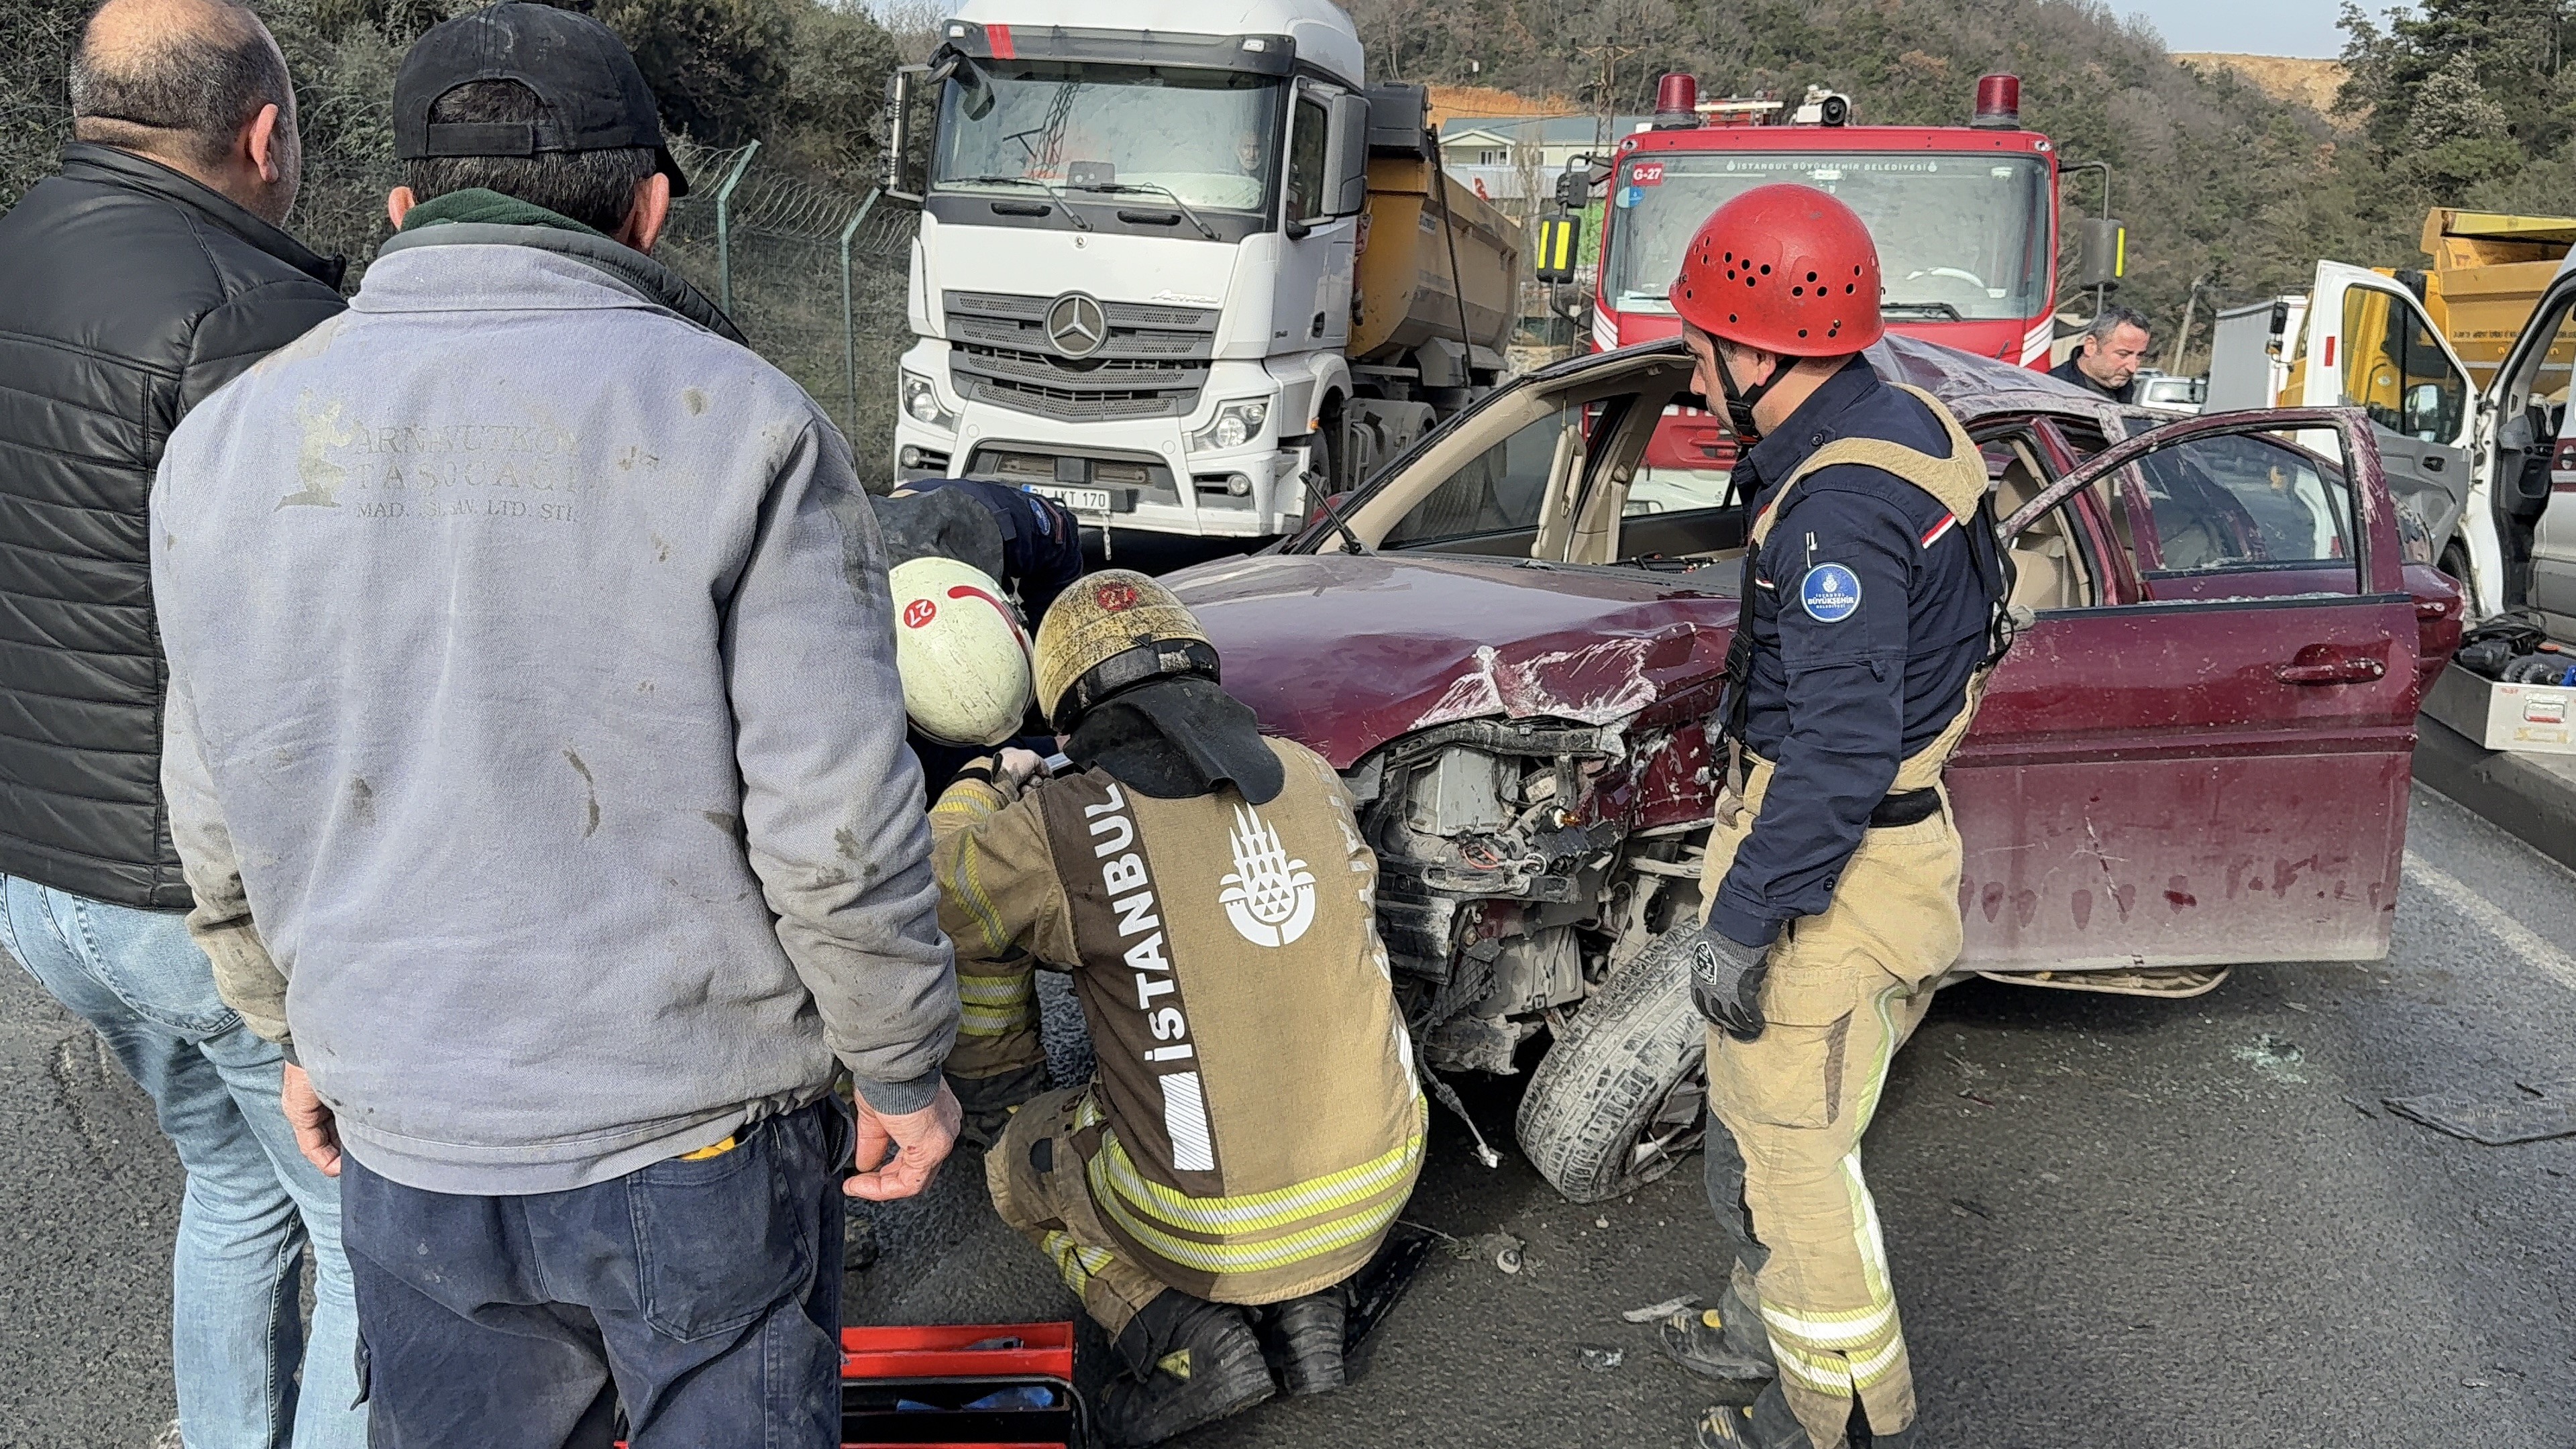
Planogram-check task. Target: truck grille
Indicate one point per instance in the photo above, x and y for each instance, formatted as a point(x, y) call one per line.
point(1153, 364)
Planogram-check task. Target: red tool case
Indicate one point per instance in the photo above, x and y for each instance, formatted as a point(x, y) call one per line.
point(960, 1386)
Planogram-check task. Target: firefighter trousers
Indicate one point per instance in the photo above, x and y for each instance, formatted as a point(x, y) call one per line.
point(1040, 1191)
point(1845, 990)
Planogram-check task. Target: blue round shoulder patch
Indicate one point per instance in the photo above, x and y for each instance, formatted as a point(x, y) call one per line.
point(1830, 594)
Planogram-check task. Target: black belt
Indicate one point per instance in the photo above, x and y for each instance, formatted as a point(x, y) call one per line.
point(1906, 807)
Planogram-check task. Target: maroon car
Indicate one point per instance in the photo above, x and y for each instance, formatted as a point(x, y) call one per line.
point(1511, 642)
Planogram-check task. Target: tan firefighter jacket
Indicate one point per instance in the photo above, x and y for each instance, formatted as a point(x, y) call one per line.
point(1258, 1123)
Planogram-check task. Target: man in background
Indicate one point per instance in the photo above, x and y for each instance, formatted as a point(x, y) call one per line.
point(2108, 355)
point(537, 758)
point(146, 275)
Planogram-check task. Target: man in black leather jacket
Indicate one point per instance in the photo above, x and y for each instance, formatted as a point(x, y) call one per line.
point(141, 279)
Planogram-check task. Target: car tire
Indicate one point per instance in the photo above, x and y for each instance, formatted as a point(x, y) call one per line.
point(2455, 564)
point(1620, 1097)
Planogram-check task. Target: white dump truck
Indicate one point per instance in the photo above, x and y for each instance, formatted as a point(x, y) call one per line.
point(1179, 267)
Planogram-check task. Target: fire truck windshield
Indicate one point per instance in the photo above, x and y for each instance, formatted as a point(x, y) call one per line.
point(1206, 137)
point(1960, 237)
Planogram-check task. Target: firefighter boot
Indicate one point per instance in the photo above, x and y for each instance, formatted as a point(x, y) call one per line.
point(1189, 1362)
point(1767, 1424)
point(985, 1104)
point(1725, 1344)
point(1310, 1332)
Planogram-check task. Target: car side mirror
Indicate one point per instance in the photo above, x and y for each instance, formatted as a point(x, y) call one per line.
point(1346, 149)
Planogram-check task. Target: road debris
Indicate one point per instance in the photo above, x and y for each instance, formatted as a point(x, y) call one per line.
point(1666, 1309)
point(2275, 1057)
point(2535, 1112)
point(1602, 1360)
point(1966, 1206)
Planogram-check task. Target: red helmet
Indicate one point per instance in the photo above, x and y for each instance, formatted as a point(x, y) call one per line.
point(1786, 269)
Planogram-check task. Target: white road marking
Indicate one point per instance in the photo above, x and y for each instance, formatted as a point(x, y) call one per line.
point(2517, 937)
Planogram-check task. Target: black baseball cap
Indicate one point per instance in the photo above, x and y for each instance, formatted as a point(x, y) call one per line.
point(595, 97)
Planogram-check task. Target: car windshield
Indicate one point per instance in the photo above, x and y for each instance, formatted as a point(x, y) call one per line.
point(1209, 137)
point(1960, 237)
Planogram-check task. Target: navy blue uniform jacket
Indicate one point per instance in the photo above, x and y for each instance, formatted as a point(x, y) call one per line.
point(1868, 618)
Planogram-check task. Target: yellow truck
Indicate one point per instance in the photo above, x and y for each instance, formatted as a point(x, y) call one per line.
point(2466, 404)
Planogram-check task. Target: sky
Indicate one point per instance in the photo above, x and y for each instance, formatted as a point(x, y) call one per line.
point(2252, 27)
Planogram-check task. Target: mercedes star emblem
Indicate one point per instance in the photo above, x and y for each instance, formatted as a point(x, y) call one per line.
point(1076, 325)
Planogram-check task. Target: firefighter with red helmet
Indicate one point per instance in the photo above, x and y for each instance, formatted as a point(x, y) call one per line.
point(1872, 611)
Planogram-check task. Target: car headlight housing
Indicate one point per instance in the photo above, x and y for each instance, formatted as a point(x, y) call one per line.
point(1236, 423)
point(921, 404)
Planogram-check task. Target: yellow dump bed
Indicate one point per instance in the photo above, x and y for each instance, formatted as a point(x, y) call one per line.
point(1407, 296)
point(2488, 271)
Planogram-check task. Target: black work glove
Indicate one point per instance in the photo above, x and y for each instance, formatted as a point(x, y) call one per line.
point(1726, 981)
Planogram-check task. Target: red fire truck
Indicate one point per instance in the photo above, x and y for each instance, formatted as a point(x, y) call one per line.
point(1966, 219)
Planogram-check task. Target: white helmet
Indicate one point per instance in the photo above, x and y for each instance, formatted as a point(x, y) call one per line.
point(962, 652)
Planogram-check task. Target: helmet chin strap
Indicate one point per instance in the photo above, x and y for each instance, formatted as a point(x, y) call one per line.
point(1740, 402)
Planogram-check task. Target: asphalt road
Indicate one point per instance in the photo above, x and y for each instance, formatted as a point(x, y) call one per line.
point(2114, 1222)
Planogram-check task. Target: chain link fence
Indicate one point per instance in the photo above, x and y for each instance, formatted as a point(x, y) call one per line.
point(813, 275)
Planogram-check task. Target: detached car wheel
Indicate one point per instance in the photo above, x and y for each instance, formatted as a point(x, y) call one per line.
point(1621, 1096)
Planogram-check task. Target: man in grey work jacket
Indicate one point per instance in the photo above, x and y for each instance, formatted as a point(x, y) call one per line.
point(536, 756)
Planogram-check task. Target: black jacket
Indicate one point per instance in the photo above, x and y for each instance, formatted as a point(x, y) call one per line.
point(127, 294)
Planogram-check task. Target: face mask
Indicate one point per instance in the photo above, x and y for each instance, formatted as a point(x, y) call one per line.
point(1740, 402)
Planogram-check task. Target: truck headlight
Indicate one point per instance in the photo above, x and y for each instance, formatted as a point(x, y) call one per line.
point(921, 400)
point(1236, 424)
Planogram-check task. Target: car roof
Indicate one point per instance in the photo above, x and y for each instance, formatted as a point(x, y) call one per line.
point(1973, 388)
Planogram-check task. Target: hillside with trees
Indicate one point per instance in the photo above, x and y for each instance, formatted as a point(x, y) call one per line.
point(2456, 102)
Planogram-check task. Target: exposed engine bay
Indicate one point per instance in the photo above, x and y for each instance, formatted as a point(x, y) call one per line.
point(1511, 881)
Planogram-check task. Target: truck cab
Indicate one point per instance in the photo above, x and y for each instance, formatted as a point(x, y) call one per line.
point(1132, 280)
point(1965, 217)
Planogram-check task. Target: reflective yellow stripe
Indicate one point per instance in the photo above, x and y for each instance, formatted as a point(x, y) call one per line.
point(1826, 1375)
point(1255, 1257)
point(1828, 1330)
point(1074, 1262)
point(968, 886)
point(1869, 1371)
point(995, 990)
point(1256, 1212)
point(981, 1021)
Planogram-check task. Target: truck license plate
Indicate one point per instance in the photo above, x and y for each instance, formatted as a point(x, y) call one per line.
point(1088, 500)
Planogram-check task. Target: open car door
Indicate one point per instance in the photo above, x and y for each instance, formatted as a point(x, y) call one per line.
point(2370, 345)
point(2208, 765)
point(2530, 466)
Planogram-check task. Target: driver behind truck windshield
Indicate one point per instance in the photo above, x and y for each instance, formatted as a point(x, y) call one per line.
point(1961, 237)
point(1198, 136)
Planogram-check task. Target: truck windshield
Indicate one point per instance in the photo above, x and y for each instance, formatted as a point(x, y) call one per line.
point(1208, 136)
point(1960, 237)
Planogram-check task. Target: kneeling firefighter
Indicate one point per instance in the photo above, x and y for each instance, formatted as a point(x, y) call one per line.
point(1873, 591)
point(964, 658)
point(1255, 1125)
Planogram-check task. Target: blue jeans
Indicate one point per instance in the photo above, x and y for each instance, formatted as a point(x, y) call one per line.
point(253, 1205)
point(705, 1296)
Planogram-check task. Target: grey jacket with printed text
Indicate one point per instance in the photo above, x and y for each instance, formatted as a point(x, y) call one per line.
point(535, 746)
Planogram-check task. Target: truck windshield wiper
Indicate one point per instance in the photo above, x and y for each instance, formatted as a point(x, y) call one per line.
point(1942, 310)
point(1078, 223)
point(1150, 188)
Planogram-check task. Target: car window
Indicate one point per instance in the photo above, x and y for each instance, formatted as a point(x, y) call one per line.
point(1687, 465)
point(2393, 368)
point(2049, 569)
point(2238, 505)
point(1499, 492)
